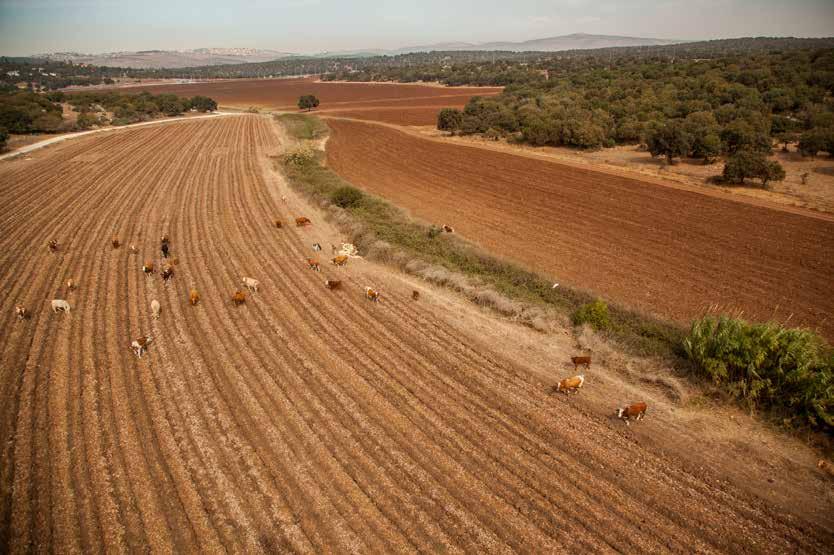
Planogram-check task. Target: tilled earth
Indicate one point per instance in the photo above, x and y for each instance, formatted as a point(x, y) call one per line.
point(306, 420)
point(660, 249)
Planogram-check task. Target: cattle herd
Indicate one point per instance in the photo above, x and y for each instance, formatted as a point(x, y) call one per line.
point(139, 346)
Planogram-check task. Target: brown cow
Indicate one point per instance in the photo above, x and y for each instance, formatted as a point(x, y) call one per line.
point(371, 294)
point(313, 264)
point(332, 283)
point(193, 297)
point(570, 384)
point(21, 312)
point(340, 260)
point(167, 274)
point(635, 411)
point(447, 229)
point(278, 224)
point(140, 345)
point(577, 361)
point(52, 246)
point(148, 267)
point(415, 295)
point(302, 221)
point(115, 243)
point(239, 298)
point(164, 239)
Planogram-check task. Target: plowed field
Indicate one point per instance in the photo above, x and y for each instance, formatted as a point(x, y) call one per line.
point(305, 420)
point(663, 250)
point(392, 103)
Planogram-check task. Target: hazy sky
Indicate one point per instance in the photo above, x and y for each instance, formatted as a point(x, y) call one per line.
point(306, 26)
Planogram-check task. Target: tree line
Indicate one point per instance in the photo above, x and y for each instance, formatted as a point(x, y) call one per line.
point(23, 111)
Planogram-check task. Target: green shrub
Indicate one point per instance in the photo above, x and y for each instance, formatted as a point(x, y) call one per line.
point(787, 371)
point(594, 313)
point(347, 197)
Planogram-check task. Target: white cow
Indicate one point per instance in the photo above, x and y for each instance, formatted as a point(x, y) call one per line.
point(140, 345)
point(155, 309)
point(251, 283)
point(60, 304)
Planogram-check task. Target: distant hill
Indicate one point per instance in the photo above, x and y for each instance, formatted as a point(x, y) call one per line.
point(576, 41)
point(169, 58)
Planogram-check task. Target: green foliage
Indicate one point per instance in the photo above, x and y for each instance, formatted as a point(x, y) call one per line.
point(670, 140)
point(449, 119)
point(4, 138)
point(816, 140)
point(28, 112)
point(203, 104)
point(787, 371)
point(595, 314)
point(748, 164)
point(300, 126)
point(133, 108)
point(308, 102)
point(347, 197)
point(86, 120)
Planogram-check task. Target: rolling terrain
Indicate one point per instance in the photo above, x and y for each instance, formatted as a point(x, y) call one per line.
point(305, 420)
point(663, 250)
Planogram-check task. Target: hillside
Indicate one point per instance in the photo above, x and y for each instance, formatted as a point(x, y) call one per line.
point(575, 41)
point(169, 58)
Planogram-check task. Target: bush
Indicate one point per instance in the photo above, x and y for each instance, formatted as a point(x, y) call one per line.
point(308, 102)
point(203, 104)
point(745, 163)
point(788, 371)
point(346, 197)
point(594, 313)
point(449, 119)
point(4, 137)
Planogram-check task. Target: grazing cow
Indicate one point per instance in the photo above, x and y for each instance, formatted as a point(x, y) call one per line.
point(147, 267)
point(167, 274)
point(332, 283)
point(193, 297)
point(577, 361)
point(415, 295)
point(340, 260)
point(635, 411)
point(70, 285)
point(826, 466)
point(278, 224)
point(570, 384)
point(251, 283)
point(60, 305)
point(283, 198)
point(140, 345)
point(115, 243)
point(155, 309)
point(21, 312)
point(447, 229)
point(133, 249)
point(164, 249)
point(313, 264)
point(316, 247)
point(302, 221)
point(164, 239)
point(371, 294)
point(52, 246)
point(239, 298)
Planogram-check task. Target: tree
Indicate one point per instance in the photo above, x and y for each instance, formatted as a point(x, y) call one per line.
point(4, 137)
point(747, 163)
point(203, 104)
point(86, 120)
point(449, 119)
point(670, 140)
point(740, 135)
point(817, 140)
point(308, 102)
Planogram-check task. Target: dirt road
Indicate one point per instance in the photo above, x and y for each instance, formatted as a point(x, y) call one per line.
point(663, 250)
point(305, 420)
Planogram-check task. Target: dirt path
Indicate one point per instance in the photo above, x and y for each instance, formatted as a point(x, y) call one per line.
point(664, 250)
point(305, 420)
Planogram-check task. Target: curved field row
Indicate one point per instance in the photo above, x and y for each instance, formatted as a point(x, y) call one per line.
point(670, 252)
point(306, 420)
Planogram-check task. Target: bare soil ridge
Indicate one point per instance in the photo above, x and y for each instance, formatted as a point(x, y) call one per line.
point(305, 420)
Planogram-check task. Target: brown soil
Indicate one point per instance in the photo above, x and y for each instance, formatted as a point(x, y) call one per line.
point(664, 250)
point(283, 94)
point(306, 420)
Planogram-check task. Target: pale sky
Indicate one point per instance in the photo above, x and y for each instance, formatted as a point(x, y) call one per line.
point(309, 26)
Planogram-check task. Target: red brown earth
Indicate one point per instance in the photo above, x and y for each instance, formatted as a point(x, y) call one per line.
point(392, 102)
point(305, 420)
point(662, 250)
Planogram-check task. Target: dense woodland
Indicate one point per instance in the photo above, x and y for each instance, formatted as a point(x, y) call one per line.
point(23, 111)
